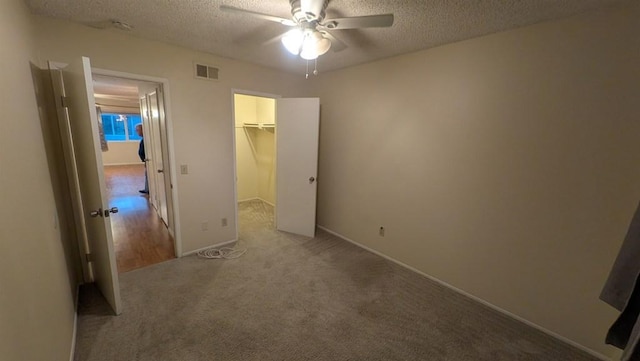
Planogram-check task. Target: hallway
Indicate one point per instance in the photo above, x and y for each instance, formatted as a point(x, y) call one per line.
point(139, 235)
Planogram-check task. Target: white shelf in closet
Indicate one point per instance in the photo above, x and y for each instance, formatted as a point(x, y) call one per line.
point(259, 125)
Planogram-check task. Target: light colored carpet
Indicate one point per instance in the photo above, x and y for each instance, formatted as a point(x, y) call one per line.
point(295, 298)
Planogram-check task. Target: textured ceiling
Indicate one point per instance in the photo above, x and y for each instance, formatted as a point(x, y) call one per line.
point(200, 25)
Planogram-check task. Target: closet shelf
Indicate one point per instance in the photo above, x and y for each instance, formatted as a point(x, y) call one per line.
point(259, 125)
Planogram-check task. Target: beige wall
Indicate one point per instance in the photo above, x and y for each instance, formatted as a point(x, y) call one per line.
point(506, 166)
point(121, 153)
point(201, 116)
point(266, 151)
point(245, 109)
point(255, 148)
point(246, 166)
point(265, 158)
point(36, 302)
point(266, 110)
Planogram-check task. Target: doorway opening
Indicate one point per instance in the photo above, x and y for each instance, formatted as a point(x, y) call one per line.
point(134, 167)
point(255, 150)
point(276, 161)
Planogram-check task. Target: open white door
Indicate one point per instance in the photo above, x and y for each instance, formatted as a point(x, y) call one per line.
point(167, 211)
point(83, 119)
point(297, 132)
point(149, 158)
point(158, 161)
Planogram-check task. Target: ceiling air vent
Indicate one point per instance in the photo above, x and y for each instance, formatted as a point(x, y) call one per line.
point(206, 72)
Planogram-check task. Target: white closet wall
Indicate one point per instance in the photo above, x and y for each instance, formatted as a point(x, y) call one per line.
point(255, 147)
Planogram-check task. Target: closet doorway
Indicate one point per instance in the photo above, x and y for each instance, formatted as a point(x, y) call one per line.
point(255, 128)
point(276, 154)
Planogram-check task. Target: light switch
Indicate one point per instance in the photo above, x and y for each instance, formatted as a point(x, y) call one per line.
point(184, 169)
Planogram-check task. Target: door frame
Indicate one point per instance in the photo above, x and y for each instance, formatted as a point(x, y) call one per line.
point(169, 147)
point(235, 91)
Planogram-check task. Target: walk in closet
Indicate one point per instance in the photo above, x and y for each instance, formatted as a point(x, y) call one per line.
point(255, 123)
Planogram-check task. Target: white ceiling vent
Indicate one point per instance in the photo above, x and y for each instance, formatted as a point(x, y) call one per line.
point(206, 72)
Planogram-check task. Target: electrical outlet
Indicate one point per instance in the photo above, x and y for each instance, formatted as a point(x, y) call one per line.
point(381, 231)
point(184, 169)
point(224, 222)
point(205, 226)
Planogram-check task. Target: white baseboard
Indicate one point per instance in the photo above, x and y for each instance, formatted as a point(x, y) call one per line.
point(72, 354)
point(475, 298)
point(116, 164)
point(74, 334)
point(267, 202)
point(207, 247)
point(257, 199)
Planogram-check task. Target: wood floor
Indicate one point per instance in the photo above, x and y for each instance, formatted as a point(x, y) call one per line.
point(139, 235)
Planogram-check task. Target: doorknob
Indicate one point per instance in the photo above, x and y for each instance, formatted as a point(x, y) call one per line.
point(96, 213)
point(112, 210)
point(311, 180)
point(160, 170)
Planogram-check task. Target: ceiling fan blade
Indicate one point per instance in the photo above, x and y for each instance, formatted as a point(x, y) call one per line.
point(277, 19)
point(372, 21)
point(336, 44)
point(273, 40)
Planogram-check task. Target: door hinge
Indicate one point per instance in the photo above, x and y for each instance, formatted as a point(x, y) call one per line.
point(89, 257)
point(64, 101)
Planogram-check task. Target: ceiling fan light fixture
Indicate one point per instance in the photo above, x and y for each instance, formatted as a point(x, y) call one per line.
point(314, 45)
point(293, 41)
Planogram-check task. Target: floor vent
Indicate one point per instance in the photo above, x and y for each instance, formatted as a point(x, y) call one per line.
point(206, 72)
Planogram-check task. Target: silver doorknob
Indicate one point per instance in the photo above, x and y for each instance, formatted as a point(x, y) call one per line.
point(96, 213)
point(112, 210)
point(311, 180)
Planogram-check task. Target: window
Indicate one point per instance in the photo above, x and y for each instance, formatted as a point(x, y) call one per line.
point(120, 127)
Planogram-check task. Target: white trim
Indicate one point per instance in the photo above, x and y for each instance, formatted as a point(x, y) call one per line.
point(117, 164)
point(267, 202)
point(475, 298)
point(74, 334)
point(207, 247)
point(72, 354)
point(171, 151)
point(257, 199)
point(255, 93)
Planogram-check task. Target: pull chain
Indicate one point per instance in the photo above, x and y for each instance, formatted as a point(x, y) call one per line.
point(315, 68)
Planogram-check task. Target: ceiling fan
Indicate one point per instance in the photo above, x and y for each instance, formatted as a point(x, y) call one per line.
point(310, 36)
